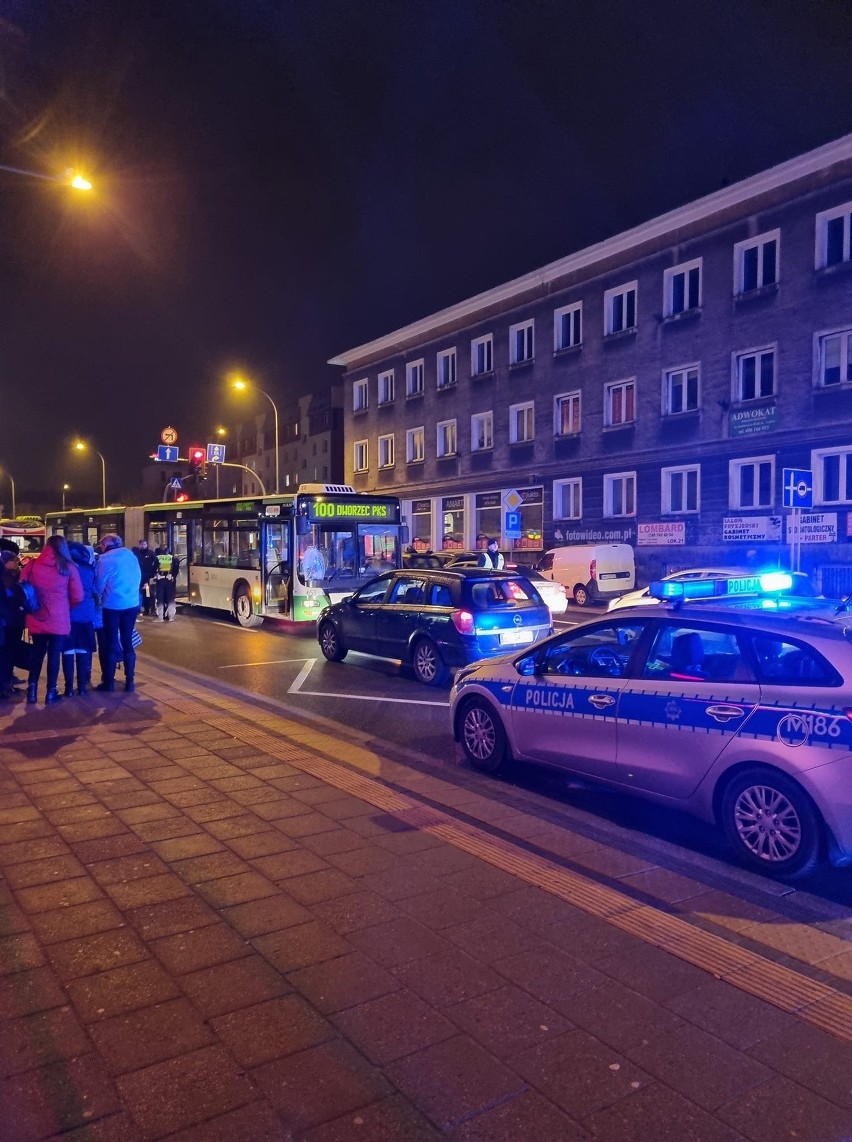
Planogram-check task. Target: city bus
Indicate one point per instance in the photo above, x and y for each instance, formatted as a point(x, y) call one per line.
point(284, 556)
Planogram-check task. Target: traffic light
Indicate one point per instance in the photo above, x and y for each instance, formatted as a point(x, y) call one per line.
point(181, 498)
point(198, 462)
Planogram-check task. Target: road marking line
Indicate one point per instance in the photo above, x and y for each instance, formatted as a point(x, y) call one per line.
point(266, 662)
point(374, 698)
point(301, 676)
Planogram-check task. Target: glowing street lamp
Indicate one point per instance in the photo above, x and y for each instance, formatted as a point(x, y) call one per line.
point(65, 488)
point(8, 475)
point(82, 446)
point(242, 385)
point(219, 433)
point(71, 178)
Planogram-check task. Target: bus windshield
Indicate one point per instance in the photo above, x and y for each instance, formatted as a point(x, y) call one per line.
point(343, 557)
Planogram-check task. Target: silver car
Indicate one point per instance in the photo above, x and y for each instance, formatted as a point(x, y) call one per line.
point(740, 716)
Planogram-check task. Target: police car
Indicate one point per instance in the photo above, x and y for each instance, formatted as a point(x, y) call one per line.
point(731, 700)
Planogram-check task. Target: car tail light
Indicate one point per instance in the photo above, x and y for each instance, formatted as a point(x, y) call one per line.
point(463, 622)
point(593, 569)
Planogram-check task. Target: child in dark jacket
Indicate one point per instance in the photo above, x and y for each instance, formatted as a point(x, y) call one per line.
point(85, 619)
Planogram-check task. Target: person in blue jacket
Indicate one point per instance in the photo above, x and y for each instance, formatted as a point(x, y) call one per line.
point(117, 580)
point(85, 619)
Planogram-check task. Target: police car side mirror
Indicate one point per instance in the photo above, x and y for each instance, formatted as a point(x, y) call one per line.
point(526, 666)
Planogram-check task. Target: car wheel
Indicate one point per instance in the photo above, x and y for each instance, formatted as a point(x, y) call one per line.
point(244, 610)
point(482, 736)
point(771, 823)
point(581, 595)
point(330, 644)
point(427, 665)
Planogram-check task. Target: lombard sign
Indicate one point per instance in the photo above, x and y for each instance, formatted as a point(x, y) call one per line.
point(660, 534)
point(750, 421)
point(751, 528)
point(812, 527)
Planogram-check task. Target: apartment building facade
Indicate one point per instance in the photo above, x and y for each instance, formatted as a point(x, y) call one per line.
point(651, 389)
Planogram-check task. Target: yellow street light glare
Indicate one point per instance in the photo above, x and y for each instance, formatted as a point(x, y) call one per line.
point(80, 183)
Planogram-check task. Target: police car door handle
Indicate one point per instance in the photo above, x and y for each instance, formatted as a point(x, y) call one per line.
point(601, 701)
point(725, 713)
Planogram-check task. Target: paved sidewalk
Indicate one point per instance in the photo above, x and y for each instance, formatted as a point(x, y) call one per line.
point(219, 921)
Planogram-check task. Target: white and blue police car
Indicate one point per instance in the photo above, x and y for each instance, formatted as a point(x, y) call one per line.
point(731, 700)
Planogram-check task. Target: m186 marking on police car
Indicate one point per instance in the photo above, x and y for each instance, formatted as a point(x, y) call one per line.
point(797, 729)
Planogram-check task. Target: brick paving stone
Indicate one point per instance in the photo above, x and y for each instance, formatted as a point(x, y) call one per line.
point(812, 1058)
point(447, 979)
point(218, 810)
point(23, 852)
point(163, 830)
point(75, 922)
point(526, 1116)
point(551, 975)
point(652, 972)
point(203, 795)
point(243, 781)
point(239, 889)
point(167, 785)
point(301, 945)
point(591, 939)
point(87, 955)
point(76, 814)
point(442, 909)
point(317, 886)
point(343, 982)
point(264, 841)
point(44, 1037)
point(128, 799)
point(393, 1025)
point(283, 865)
point(208, 866)
point(92, 830)
point(57, 1097)
point(144, 814)
point(178, 1093)
point(781, 1108)
point(662, 1114)
point(618, 1016)
point(109, 848)
point(579, 1073)
point(398, 942)
point(453, 1080)
point(404, 844)
point(43, 871)
point(507, 1020)
point(739, 1019)
point(343, 807)
point(228, 987)
point(320, 1084)
point(150, 1035)
point(182, 848)
point(305, 825)
point(254, 796)
point(355, 911)
point(173, 916)
point(255, 1122)
point(270, 914)
point(538, 910)
point(724, 1072)
point(400, 883)
point(242, 826)
point(19, 952)
point(363, 861)
point(271, 1030)
point(189, 951)
point(488, 938)
point(148, 890)
point(121, 989)
point(130, 867)
point(27, 831)
point(388, 1120)
point(73, 797)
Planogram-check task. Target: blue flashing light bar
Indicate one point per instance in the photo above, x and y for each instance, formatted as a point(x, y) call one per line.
point(749, 586)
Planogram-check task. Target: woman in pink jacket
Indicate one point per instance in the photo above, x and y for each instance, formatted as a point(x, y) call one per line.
point(57, 583)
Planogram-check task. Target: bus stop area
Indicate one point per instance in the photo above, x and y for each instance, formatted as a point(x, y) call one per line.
point(221, 919)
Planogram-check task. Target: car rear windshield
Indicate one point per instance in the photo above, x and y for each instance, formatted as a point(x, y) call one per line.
point(502, 593)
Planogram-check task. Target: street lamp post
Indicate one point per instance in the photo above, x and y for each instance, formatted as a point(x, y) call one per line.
point(220, 432)
point(8, 476)
point(70, 178)
point(241, 386)
point(81, 446)
point(65, 488)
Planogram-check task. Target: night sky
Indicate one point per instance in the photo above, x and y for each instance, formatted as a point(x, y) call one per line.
point(280, 181)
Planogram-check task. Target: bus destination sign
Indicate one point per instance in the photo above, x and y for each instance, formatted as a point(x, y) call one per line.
point(331, 509)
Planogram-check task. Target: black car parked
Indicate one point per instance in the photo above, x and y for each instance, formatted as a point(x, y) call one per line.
point(435, 619)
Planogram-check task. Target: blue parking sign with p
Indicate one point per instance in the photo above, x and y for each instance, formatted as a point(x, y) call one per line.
point(512, 525)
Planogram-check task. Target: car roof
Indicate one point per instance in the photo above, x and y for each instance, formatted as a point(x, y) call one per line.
point(460, 573)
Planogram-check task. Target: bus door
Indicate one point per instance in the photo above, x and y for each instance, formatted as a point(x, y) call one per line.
point(277, 568)
point(180, 548)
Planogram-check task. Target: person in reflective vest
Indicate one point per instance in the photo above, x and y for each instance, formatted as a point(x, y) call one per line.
point(165, 583)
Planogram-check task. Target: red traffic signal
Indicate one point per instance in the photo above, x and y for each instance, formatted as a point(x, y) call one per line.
point(181, 498)
point(197, 460)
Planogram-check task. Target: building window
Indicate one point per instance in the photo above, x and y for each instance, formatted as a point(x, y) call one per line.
point(446, 368)
point(522, 422)
point(620, 403)
point(619, 490)
point(386, 459)
point(568, 327)
point(682, 288)
point(482, 355)
point(620, 308)
point(360, 456)
point(414, 445)
point(680, 390)
point(566, 414)
point(446, 442)
point(568, 498)
point(750, 482)
point(832, 469)
point(755, 374)
point(521, 342)
point(360, 396)
point(835, 358)
point(681, 490)
point(481, 431)
point(756, 262)
point(414, 379)
point(386, 387)
point(834, 236)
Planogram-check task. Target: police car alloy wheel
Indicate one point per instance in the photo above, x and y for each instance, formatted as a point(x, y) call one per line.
point(482, 736)
point(771, 823)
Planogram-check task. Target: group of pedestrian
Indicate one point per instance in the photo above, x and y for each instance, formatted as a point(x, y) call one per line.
point(81, 605)
point(158, 586)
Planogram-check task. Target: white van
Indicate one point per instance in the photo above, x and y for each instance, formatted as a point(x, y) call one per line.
point(592, 572)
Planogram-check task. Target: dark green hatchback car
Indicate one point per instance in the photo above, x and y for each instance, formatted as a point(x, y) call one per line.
point(434, 620)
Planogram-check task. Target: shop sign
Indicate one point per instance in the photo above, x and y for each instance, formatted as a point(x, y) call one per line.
point(488, 500)
point(452, 504)
point(751, 528)
point(660, 534)
point(750, 421)
point(421, 507)
point(626, 534)
point(812, 527)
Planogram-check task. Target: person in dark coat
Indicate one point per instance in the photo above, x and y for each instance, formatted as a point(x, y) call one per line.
point(58, 585)
point(12, 621)
point(148, 567)
point(80, 644)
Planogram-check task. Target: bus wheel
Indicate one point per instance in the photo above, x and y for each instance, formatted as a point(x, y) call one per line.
point(244, 610)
